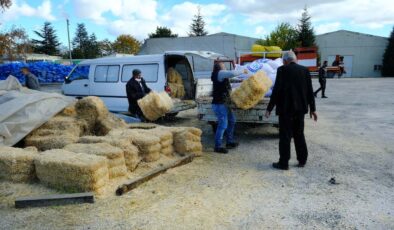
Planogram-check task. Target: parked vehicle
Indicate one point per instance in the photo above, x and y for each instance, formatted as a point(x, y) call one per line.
point(107, 77)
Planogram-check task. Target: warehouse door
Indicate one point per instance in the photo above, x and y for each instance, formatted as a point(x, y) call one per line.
point(348, 61)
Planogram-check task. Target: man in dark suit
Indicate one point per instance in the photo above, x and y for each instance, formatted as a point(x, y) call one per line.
point(136, 89)
point(292, 95)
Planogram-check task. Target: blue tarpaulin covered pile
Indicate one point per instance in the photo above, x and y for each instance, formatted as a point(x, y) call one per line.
point(47, 72)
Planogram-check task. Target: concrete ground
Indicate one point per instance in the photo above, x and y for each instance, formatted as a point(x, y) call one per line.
point(352, 142)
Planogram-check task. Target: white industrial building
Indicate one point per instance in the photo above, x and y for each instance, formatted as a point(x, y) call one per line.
point(363, 53)
point(223, 43)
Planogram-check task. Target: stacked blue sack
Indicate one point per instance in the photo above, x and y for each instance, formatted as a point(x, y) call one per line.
point(46, 72)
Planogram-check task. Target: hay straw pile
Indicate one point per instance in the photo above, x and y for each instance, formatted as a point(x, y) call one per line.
point(75, 172)
point(155, 105)
point(251, 90)
point(148, 145)
point(17, 165)
point(187, 140)
point(131, 152)
point(175, 83)
point(166, 140)
point(87, 116)
point(114, 155)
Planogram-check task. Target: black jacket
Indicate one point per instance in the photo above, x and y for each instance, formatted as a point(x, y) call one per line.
point(134, 93)
point(221, 89)
point(292, 92)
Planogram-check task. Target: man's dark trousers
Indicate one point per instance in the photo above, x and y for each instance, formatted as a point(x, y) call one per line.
point(292, 126)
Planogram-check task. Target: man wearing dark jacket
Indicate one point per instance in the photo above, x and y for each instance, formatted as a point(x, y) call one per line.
point(31, 79)
point(136, 89)
point(292, 95)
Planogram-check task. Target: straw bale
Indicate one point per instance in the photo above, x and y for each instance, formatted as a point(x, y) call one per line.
point(59, 124)
point(76, 172)
point(91, 109)
point(17, 164)
point(141, 126)
point(31, 149)
point(187, 146)
point(167, 151)
point(104, 126)
point(153, 156)
point(99, 149)
point(155, 105)
point(43, 143)
point(146, 149)
point(117, 171)
point(251, 90)
point(92, 139)
point(193, 130)
point(177, 90)
point(69, 111)
point(167, 143)
point(161, 133)
point(174, 76)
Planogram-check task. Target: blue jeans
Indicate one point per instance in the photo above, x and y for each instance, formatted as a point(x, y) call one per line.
point(226, 122)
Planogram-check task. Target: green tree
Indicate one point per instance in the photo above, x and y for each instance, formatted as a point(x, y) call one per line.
point(284, 36)
point(162, 32)
point(126, 44)
point(388, 57)
point(93, 50)
point(198, 24)
point(14, 44)
point(84, 46)
point(48, 44)
point(306, 34)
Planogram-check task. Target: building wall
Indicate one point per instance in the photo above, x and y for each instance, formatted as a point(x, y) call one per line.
point(367, 50)
point(223, 43)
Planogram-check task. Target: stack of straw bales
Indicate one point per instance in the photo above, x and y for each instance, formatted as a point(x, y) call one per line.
point(148, 145)
point(187, 140)
point(166, 140)
point(131, 152)
point(76, 172)
point(175, 83)
point(251, 90)
point(155, 105)
point(114, 155)
point(17, 165)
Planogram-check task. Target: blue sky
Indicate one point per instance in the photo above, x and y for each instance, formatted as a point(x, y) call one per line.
point(110, 18)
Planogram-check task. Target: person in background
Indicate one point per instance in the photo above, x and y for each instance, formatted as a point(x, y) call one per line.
point(31, 79)
point(136, 89)
point(292, 95)
point(341, 65)
point(322, 80)
point(221, 106)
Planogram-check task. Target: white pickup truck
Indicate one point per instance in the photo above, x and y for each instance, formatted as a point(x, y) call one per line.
point(254, 115)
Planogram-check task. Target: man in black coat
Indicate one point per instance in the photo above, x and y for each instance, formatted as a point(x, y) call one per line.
point(292, 95)
point(322, 80)
point(136, 89)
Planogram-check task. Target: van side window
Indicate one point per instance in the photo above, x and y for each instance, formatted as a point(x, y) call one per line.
point(149, 72)
point(80, 72)
point(106, 73)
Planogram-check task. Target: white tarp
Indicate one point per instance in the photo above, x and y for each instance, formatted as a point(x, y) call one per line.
point(22, 110)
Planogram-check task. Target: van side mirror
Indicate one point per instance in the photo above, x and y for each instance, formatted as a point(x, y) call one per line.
point(67, 80)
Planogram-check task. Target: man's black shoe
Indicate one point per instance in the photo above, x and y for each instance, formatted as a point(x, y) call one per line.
point(221, 150)
point(324, 97)
point(232, 145)
point(280, 166)
point(301, 165)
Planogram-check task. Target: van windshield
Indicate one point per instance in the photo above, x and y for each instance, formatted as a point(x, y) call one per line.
point(78, 73)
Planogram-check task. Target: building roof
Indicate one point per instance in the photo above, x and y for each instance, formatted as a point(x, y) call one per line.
point(348, 31)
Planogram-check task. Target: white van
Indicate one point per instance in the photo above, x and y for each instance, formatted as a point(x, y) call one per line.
point(107, 77)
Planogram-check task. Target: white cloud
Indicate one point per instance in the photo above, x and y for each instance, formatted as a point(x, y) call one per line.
point(260, 31)
point(327, 27)
point(23, 9)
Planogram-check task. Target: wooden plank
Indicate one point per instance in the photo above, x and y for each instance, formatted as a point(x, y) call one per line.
point(134, 183)
point(56, 199)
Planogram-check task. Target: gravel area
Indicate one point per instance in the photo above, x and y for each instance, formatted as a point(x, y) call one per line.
point(352, 142)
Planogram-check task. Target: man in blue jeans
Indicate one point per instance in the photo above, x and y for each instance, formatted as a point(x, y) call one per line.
point(221, 106)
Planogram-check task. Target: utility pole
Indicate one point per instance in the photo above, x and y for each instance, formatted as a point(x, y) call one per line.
point(69, 44)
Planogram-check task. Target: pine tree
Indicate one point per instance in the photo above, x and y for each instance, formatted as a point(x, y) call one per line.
point(80, 42)
point(306, 34)
point(197, 26)
point(388, 58)
point(163, 32)
point(93, 50)
point(49, 43)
